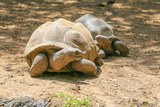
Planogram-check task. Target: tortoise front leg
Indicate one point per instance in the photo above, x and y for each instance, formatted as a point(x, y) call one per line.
point(39, 65)
point(121, 47)
point(61, 58)
point(98, 61)
point(110, 44)
point(86, 66)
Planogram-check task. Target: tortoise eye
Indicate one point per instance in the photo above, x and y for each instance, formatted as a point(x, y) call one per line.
point(77, 52)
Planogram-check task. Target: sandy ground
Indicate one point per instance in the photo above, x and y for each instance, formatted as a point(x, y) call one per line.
point(132, 81)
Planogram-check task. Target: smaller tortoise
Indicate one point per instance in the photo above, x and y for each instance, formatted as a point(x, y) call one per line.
point(102, 32)
point(62, 46)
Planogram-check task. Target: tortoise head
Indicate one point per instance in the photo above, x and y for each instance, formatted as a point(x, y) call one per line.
point(104, 43)
point(74, 53)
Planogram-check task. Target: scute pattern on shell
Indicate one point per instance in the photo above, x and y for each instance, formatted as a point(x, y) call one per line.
point(96, 25)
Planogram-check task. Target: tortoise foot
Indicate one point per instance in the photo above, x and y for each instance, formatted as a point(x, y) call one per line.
point(98, 61)
point(85, 66)
point(121, 47)
point(39, 65)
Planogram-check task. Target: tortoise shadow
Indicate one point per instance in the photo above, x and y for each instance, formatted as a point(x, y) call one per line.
point(73, 77)
point(69, 77)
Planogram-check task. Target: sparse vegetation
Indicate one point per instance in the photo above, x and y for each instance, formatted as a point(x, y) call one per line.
point(71, 101)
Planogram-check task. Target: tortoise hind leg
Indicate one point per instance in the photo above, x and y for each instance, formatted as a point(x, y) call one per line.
point(86, 66)
point(39, 65)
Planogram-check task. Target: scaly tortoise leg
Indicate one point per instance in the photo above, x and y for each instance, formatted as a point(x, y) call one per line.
point(118, 45)
point(98, 61)
point(121, 47)
point(86, 66)
point(102, 54)
point(39, 65)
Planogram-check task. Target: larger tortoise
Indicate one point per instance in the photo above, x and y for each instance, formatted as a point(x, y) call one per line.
point(62, 46)
point(102, 32)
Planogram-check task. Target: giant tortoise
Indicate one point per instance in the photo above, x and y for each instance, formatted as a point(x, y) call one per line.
point(102, 32)
point(62, 46)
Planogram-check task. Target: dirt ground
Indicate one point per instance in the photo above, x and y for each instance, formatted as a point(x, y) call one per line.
point(132, 81)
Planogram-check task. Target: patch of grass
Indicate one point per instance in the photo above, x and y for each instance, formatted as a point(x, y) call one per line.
point(61, 95)
point(70, 101)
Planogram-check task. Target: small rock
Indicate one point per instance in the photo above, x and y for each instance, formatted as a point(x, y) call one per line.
point(25, 102)
point(76, 87)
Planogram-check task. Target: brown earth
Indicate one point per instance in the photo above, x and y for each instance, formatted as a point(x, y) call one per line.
point(132, 81)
